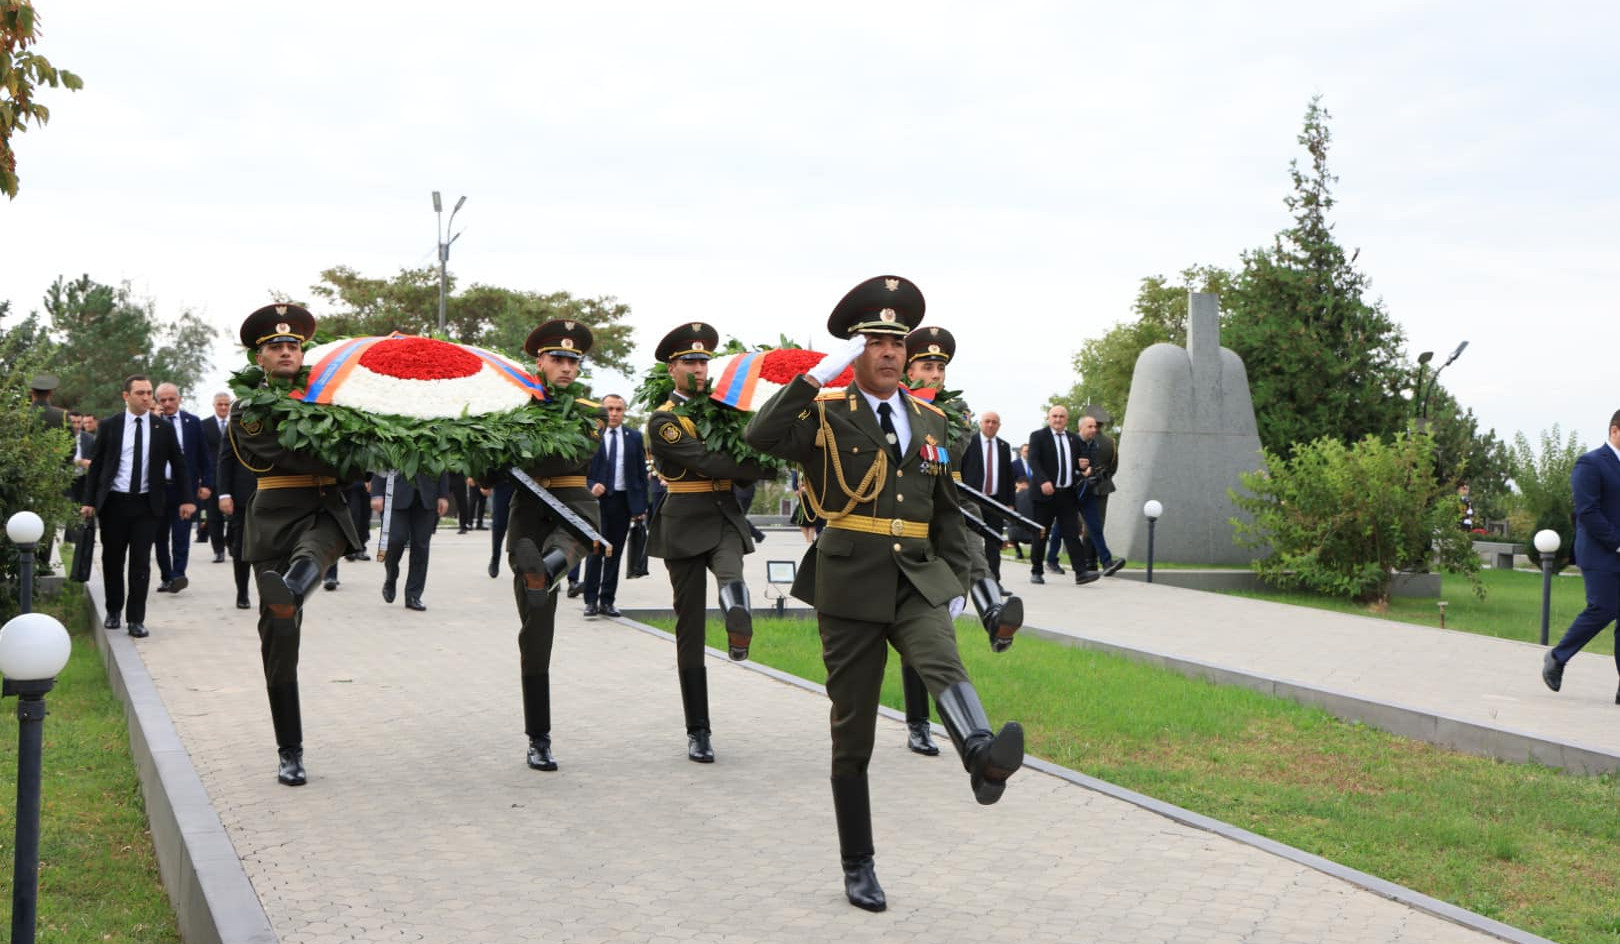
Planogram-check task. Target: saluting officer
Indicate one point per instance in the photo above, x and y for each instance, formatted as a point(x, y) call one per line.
point(699, 526)
point(892, 562)
point(928, 351)
point(296, 526)
point(539, 550)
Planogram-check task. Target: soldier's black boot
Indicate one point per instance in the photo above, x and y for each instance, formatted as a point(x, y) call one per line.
point(537, 721)
point(853, 806)
point(739, 619)
point(541, 573)
point(1001, 615)
point(989, 758)
point(919, 738)
point(695, 702)
point(243, 571)
point(288, 720)
point(284, 593)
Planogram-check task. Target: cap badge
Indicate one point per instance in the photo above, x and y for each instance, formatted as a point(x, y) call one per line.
point(934, 332)
point(892, 285)
point(887, 314)
point(697, 326)
point(283, 328)
point(568, 325)
point(281, 309)
point(933, 348)
point(567, 343)
point(697, 346)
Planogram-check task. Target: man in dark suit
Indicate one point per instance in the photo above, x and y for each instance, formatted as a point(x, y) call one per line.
point(126, 490)
point(234, 487)
point(1099, 460)
point(213, 433)
point(987, 465)
point(1596, 484)
point(619, 482)
point(1054, 476)
point(174, 543)
point(417, 506)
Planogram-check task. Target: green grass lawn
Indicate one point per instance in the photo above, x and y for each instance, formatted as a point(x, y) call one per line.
point(98, 876)
point(1511, 608)
point(1526, 845)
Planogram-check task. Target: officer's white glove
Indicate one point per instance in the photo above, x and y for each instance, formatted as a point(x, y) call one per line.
point(957, 605)
point(834, 363)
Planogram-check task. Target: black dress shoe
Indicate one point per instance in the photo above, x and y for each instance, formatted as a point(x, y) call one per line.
point(540, 754)
point(575, 589)
point(1552, 672)
point(461, 531)
point(414, 603)
point(330, 583)
point(608, 609)
point(861, 885)
point(166, 586)
point(494, 565)
point(919, 739)
point(1087, 576)
point(290, 769)
point(219, 558)
point(1036, 578)
point(138, 630)
point(698, 748)
point(591, 610)
point(242, 602)
point(388, 593)
point(111, 622)
point(1113, 567)
point(1054, 568)
point(178, 584)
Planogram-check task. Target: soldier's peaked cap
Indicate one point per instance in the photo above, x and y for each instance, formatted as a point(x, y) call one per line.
point(887, 304)
point(563, 337)
point(690, 340)
point(932, 343)
point(280, 322)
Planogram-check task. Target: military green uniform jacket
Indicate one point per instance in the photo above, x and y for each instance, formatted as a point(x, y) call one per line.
point(688, 524)
point(279, 516)
point(530, 518)
point(855, 574)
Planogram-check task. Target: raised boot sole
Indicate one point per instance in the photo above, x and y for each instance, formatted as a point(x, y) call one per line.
point(1006, 756)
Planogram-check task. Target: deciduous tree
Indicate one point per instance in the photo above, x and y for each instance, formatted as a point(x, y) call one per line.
point(22, 72)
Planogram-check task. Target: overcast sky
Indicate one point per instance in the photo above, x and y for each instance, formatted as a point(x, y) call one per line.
point(747, 163)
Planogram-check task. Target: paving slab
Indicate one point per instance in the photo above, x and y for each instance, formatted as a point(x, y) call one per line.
point(421, 822)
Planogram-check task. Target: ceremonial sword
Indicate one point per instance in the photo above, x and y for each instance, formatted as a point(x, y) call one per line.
point(1009, 513)
point(570, 520)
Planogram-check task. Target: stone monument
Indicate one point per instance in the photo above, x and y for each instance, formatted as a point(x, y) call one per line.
point(1189, 434)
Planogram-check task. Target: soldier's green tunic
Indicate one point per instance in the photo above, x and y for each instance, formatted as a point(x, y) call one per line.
point(283, 523)
point(695, 531)
point(889, 583)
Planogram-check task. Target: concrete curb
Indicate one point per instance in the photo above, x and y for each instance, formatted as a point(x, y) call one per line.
point(1457, 734)
point(1362, 880)
point(213, 899)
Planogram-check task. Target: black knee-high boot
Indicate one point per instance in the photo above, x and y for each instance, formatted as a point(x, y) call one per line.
point(853, 806)
point(695, 702)
point(919, 738)
point(287, 717)
point(537, 721)
point(989, 758)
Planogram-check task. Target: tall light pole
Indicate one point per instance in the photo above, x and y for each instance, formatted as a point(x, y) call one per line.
point(1423, 406)
point(1417, 395)
point(444, 249)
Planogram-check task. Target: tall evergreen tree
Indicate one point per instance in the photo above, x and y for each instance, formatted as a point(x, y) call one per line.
point(1322, 359)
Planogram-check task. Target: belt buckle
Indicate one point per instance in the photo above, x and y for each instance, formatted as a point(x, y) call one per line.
point(897, 527)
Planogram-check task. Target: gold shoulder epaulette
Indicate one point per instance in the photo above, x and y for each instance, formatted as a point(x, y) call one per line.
point(666, 407)
point(588, 404)
point(832, 394)
point(927, 406)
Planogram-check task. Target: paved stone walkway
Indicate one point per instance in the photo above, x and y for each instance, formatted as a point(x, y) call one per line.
point(421, 823)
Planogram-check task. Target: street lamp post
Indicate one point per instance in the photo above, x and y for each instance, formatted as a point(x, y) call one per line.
point(1152, 509)
point(25, 529)
point(444, 249)
point(1423, 404)
point(1547, 543)
point(1417, 395)
point(33, 649)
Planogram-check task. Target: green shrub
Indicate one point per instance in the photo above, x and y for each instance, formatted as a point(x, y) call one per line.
point(34, 471)
point(1339, 520)
point(1543, 480)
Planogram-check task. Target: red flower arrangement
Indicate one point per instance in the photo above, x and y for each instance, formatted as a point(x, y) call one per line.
point(782, 365)
point(413, 358)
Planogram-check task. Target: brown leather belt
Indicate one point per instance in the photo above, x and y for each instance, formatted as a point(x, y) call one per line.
point(562, 481)
point(700, 486)
point(295, 481)
point(888, 527)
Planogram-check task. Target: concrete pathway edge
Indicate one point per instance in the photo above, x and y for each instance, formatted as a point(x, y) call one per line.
point(1363, 880)
point(213, 899)
point(1469, 737)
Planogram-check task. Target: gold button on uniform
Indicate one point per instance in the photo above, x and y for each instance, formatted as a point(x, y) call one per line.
point(897, 547)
